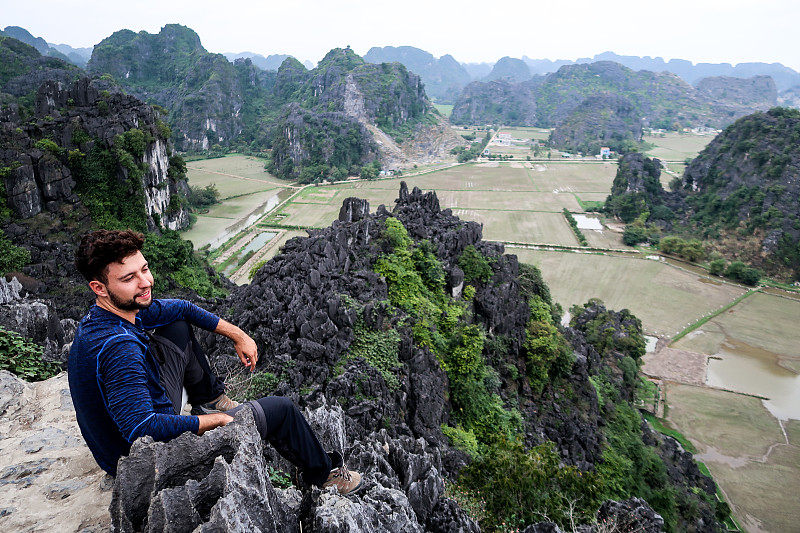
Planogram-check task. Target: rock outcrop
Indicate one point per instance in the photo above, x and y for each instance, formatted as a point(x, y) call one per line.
point(49, 479)
point(747, 177)
point(659, 99)
point(444, 78)
point(758, 92)
point(496, 102)
point(221, 482)
point(23, 69)
point(71, 121)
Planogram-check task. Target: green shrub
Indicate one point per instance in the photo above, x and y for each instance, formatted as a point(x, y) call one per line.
point(548, 354)
point(396, 234)
point(23, 357)
point(47, 145)
point(466, 357)
point(12, 258)
point(379, 349)
point(521, 486)
point(469, 293)
point(717, 267)
point(738, 271)
point(475, 266)
point(462, 439)
point(262, 384)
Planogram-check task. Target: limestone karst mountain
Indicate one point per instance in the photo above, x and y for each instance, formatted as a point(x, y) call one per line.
point(333, 119)
point(444, 77)
point(660, 100)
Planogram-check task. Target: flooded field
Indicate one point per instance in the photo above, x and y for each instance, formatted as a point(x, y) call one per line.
point(738, 366)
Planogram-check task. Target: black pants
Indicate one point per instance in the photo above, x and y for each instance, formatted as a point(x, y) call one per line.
point(279, 422)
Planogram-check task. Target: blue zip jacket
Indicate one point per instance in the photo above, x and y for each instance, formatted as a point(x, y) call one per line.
point(114, 379)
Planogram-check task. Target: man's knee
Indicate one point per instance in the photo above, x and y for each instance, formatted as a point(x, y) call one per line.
point(279, 406)
point(178, 332)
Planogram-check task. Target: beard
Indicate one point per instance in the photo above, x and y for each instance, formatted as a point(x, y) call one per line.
point(130, 305)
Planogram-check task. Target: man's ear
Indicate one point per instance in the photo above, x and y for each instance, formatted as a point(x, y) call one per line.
point(98, 287)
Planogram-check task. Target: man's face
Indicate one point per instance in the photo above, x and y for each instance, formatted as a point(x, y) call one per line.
point(130, 283)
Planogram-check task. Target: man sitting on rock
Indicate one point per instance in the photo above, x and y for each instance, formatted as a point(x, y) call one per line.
point(133, 356)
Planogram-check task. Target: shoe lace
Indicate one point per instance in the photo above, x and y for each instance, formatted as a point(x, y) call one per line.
point(341, 472)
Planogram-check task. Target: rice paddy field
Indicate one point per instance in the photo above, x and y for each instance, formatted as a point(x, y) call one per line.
point(540, 134)
point(516, 202)
point(675, 146)
point(244, 188)
point(665, 298)
point(753, 457)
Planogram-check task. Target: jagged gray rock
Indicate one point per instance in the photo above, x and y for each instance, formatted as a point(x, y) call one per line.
point(220, 482)
point(48, 478)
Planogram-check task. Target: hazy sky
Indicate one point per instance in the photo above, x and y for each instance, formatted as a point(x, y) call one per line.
point(716, 31)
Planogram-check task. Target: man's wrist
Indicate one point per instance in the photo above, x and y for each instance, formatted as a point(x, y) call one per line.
point(212, 421)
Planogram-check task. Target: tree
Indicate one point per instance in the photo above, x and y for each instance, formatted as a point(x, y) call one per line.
point(693, 251)
point(717, 267)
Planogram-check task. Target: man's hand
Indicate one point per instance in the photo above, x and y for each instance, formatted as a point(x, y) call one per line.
point(245, 346)
point(215, 420)
point(247, 351)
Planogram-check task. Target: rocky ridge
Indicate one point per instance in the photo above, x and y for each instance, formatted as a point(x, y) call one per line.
point(302, 309)
point(78, 119)
point(209, 100)
point(747, 176)
point(444, 77)
point(602, 120)
point(660, 100)
point(23, 70)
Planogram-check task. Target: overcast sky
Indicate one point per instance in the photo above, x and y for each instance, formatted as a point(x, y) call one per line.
point(715, 31)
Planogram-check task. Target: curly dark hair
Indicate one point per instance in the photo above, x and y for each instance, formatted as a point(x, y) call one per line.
point(100, 248)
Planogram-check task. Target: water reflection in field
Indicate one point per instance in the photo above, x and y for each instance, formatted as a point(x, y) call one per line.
point(244, 223)
point(744, 368)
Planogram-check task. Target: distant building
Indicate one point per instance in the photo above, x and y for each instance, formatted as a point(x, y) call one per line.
point(487, 152)
point(605, 151)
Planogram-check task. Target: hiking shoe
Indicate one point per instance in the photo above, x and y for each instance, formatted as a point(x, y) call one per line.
point(346, 481)
point(220, 405)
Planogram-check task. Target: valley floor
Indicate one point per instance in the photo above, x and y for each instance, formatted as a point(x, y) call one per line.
point(749, 444)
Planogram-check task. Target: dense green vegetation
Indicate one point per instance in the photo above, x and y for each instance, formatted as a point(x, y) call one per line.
point(334, 149)
point(738, 200)
point(509, 484)
point(636, 188)
point(629, 466)
point(744, 184)
point(416, 286)
point(23, 357)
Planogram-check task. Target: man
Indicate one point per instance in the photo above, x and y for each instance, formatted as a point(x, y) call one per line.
point(127, 382)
